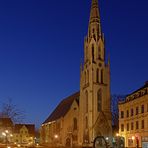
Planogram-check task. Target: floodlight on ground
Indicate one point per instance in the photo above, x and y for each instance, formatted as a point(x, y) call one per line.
point(3, 133)
point(56, 136)
point(6, 131)
point(133, 137)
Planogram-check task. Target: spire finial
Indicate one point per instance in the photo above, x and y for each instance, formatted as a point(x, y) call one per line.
point(94, 14)
point(95, 2)
point(94, 28)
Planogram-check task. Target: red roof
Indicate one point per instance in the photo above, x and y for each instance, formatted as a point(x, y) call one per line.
point(62, 108)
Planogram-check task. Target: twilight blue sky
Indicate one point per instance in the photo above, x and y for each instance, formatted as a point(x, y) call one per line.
point(41, 47)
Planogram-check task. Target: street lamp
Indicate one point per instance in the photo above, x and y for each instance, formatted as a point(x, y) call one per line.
point(133, 137)
point(5, 134)
point(56, 136)
point(6, 131)
point(56, 139)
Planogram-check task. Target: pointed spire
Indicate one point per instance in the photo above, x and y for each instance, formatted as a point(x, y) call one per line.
point(94, 14)
point(94, 29)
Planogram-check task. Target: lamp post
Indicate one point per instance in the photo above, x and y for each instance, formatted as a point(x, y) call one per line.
point(56, 136)
point(56, 139)
point(7, 134)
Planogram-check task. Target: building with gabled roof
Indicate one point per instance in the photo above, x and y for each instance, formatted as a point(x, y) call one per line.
point(62, 109)
point(79, 118)
point(24, 134)
point(65, 112)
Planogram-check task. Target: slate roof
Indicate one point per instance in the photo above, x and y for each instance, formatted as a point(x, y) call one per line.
point(62, 108)
point(141, 88)
point(136, 94)
point(30, 127)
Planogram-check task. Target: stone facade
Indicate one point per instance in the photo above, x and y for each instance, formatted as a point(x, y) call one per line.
point(61, 127)
point(95, 111)
point(78, 119)
point(133, 118)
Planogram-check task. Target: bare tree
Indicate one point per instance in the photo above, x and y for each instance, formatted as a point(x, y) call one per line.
point(10, 110)
point(115, 111)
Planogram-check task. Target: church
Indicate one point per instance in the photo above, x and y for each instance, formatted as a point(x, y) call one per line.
point(82, 116)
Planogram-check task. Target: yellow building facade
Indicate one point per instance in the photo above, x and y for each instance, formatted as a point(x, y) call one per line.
point(133, 118)
point(24, 134)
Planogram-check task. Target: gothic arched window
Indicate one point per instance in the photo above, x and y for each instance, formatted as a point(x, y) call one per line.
point(86, 55)
point(97, 76)
point(102, 76)
point(93, 30)
point(86, 102)
point(75, 124)
point(93, 55)
point(99, 53)
point(85, 77)
point(86, 122)
point(88, 76)
point(99, 100)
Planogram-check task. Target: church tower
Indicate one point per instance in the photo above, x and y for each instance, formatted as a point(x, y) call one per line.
point(95, 100)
